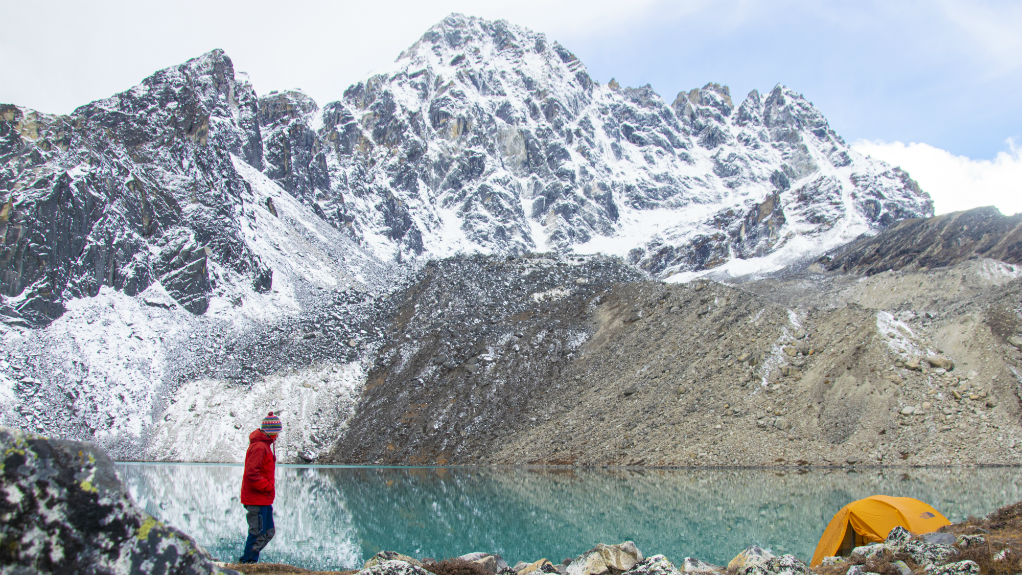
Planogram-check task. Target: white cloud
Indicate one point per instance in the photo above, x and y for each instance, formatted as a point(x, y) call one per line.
point(956, 182)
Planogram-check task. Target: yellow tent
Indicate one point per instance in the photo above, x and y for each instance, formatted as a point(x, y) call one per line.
point(871, 519)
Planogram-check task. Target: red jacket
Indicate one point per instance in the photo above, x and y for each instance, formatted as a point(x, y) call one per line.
point(258, 477)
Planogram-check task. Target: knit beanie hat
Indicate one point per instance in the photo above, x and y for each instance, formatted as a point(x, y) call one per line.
point(271, 425)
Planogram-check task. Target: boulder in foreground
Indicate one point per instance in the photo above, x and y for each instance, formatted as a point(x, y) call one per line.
point(63, 510)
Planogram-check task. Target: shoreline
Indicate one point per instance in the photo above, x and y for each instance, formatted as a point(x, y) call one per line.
point(989, 545)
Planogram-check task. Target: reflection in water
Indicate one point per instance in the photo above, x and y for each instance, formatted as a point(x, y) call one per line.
point(337, 517)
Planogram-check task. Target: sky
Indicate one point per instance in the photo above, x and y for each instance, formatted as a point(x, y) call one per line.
point(933, 86)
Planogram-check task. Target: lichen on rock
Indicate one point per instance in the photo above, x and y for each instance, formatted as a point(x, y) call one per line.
point(64, 511)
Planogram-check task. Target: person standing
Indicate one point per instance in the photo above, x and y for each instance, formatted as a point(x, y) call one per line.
point(258, 488)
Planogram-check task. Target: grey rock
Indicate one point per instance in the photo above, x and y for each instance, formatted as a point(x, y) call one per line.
point(962, 567)
point(491, 563)
point(695, 566)
point(389, 555)
point(940, 362)
point(787, 564)
point(606, 559)
point(394, 567)
point(657, 564)
point(940, 241)
point(924, 553)
point(542, 566)
point(465, 291)
point(901, 567)
point(898, 536)
point(965, 540)
point(64, 511)
point(1014, 341)
point(756, 560)
point(944, 538)
point(868, 551)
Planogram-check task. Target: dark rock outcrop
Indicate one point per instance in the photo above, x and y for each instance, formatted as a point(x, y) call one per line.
point(471, 343)
point(295, 154)
point(933, 242)
point(64, 511)
point(128, 191)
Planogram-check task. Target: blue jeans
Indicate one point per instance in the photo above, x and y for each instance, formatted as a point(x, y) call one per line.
point(261, 530)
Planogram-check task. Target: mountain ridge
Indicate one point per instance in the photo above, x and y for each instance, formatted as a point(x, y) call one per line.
point(507, 148)
point(185, 252)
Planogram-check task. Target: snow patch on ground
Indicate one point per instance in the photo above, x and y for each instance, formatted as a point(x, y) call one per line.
point(576, 339)
point(549, 295)
point(996, 271)
point(210, 420)
point(899, 336)
point(794, 250)
point(6, 387)
point(96, 371)
point(777, 358)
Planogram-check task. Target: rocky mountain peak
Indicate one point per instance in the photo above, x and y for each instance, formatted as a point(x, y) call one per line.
point(484, 138)
point(713, 95)
point(786, 112)
point(464, 53)
point(131, 190)
point(283, 107)
point(750, 112)
point(201, 99)
point(469, 36)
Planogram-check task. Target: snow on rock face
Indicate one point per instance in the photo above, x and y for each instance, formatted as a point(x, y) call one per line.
point(127, 191)
point(95, 372)
point(489, 138)
point(486, 137)
point(210, 421)
point(114, 366)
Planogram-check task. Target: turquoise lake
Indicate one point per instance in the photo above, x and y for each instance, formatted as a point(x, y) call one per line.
point(331, 518)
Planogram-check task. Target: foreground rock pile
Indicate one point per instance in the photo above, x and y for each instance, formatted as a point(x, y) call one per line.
point(64, 511)
point(943, 552)
point(934, 553)
point(624, 558)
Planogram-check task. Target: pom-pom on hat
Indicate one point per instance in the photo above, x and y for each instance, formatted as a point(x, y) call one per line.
point(271, 425)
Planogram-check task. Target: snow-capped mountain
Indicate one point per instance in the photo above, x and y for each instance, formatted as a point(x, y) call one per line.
point(178, 254)
point(488, 137)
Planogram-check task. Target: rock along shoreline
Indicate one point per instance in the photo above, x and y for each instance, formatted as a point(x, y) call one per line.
point(977, 546)
point(64, 510)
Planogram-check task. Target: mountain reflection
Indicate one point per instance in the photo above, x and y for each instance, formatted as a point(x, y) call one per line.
point(337, 517)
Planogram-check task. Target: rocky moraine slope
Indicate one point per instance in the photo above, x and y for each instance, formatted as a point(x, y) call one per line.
point(470, 248)
point(914, 365)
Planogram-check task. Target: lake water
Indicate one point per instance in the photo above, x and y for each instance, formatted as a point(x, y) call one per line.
point(337, 517)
